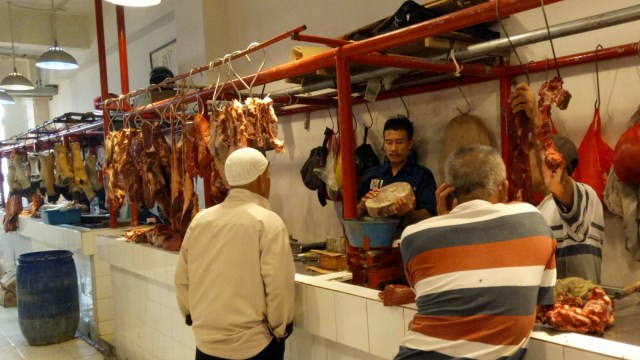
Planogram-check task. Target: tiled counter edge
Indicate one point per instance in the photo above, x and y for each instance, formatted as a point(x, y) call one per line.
point(333, 320)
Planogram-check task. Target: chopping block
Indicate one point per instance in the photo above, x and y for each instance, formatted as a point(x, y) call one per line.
point(332, 260)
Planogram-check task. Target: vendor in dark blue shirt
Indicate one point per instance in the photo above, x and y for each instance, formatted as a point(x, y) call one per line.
point(399, 166)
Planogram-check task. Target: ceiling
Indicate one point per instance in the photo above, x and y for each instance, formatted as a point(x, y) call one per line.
point(72, 7)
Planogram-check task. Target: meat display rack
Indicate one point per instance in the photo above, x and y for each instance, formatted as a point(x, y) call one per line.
point(427, 74)
point(69, 125)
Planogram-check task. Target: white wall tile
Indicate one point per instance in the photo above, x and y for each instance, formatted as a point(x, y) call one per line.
point(107, 327)
point(320, 316)
point(574, 354)
point(337, 351)
point(103, 288)
point(319, 350)
point(541, 350)
point(300, 305)
point(301, 344)
point(105, 309)
point(386, 328)
point(351, 321)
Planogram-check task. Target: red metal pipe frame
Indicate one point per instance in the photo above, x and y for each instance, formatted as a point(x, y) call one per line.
point(464, 18)
point(219, 62)
point(319, 40)
point(577, 59)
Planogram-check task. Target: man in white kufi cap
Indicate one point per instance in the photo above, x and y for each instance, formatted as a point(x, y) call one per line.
point(235, 273)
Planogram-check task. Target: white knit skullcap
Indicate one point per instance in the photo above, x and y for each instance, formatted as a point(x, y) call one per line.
point(244, 165)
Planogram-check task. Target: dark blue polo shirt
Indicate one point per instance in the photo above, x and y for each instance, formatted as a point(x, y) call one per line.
point(420, 178)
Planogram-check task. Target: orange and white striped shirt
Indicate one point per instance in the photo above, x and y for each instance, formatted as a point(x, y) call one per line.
point(478, 274)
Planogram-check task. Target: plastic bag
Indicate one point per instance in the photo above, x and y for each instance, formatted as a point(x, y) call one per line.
point(627, 153)
point(595, 157)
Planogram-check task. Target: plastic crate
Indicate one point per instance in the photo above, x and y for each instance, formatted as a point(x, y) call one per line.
point(57, 217)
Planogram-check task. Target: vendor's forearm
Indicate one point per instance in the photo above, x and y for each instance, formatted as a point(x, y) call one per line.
point(417, 215)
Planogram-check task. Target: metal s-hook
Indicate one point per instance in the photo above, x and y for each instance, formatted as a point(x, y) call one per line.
point(513, 48)
point(597, 103)
point(333, 125)
point(370, 116)
point(465, 99)
point(553, 50)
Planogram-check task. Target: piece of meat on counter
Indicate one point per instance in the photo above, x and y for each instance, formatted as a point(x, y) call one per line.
point(580, 306)
point(395, 295)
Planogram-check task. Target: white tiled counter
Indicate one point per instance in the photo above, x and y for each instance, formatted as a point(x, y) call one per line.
point(333, 320)
point(96, 307)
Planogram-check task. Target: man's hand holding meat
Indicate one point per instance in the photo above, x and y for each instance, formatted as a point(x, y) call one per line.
point(556, 182)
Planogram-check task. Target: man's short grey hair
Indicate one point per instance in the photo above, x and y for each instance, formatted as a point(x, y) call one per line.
point(478, 168)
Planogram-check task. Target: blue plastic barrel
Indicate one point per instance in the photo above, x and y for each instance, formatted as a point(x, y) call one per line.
point(48, 301)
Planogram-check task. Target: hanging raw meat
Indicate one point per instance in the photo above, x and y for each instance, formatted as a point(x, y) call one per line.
point(190, 149)
point(113, 179)
point(232, 129)
point(551, 92)
point(12, 213)
point(177, 196)
point(156, 162)
point(81, 184)
point(64, 171)
point(91, 166)
point(202, 134)
point(34, 176)
point(127, 165)
point(47, 174)
point(266, 124)
point(19, 181)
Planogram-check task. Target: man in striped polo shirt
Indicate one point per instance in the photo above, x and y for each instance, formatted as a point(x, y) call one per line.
point(572, 209)
point(479, 271)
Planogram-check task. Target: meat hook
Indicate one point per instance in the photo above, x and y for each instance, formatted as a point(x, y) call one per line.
point(525, 70)
point(553, 50)
point(597, 103)
point(370, 116)
point(465, 99)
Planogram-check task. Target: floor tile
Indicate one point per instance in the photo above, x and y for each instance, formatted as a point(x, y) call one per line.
point(13, 345)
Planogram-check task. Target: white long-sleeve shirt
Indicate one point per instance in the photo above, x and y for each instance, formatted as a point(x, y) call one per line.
point(579, 233)
point(235, 273)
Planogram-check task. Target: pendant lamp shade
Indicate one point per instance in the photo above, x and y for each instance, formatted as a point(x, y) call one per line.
point(56, 58)
point(135, 3)
point(15, 80)
point(6, 99)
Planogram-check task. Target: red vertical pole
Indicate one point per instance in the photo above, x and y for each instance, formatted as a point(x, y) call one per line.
point(124, 79)
point(102, 58)
point(104, 90)
point(347, 138)
point(122, 46)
